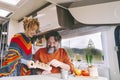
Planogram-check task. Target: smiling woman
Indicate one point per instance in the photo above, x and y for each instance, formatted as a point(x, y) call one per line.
point(19, 57)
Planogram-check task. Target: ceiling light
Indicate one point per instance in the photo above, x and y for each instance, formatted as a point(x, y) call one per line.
point(12, 2)
point(4, 13)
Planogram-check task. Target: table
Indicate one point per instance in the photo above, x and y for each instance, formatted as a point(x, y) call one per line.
point(50, 77)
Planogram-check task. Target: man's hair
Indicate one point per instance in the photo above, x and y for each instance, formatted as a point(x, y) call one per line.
point(55, 34)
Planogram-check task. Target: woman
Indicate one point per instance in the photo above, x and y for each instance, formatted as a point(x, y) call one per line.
point(19, 58)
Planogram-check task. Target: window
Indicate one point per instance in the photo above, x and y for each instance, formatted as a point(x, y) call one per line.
point(77, 46)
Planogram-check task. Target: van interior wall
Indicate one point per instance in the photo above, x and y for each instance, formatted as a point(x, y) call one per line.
point(110, 53)
point(14, 27)
point(82, 31)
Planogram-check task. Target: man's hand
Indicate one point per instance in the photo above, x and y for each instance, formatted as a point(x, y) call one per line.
point(55, 63)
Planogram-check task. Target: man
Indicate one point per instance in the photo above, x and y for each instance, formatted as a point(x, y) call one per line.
point(53, 55)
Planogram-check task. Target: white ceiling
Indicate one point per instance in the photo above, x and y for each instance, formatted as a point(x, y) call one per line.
point(22, 9)
point(26, 7)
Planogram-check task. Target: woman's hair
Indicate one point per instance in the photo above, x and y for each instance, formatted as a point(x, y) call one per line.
point(30, 22)
point(55, 34)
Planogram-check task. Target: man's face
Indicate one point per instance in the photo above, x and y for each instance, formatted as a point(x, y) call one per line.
point(52, 45)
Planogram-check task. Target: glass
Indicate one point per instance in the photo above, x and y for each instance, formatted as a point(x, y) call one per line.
point(64, 74)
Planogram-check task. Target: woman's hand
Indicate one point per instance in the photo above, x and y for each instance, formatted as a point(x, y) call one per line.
point(31, 64)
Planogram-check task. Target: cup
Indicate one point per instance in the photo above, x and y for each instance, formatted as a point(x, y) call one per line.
point(93, 71)
point(64, 74)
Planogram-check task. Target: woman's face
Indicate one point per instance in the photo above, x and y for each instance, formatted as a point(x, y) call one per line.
point(30, 32)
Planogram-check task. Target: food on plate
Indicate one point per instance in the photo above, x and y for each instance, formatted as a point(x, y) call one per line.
point(85, 73)
point(77, 72)
point(43, 66)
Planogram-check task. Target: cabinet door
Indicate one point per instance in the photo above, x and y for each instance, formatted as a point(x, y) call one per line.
point(117, 42)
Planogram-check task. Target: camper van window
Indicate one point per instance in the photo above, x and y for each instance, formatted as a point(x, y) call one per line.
point(76, 47)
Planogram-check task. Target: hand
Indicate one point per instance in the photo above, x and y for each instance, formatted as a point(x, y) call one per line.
point(42, 66)
point(55, 63)
point(31, 64)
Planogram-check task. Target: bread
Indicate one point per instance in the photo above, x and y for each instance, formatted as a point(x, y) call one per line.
point(43, 66)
